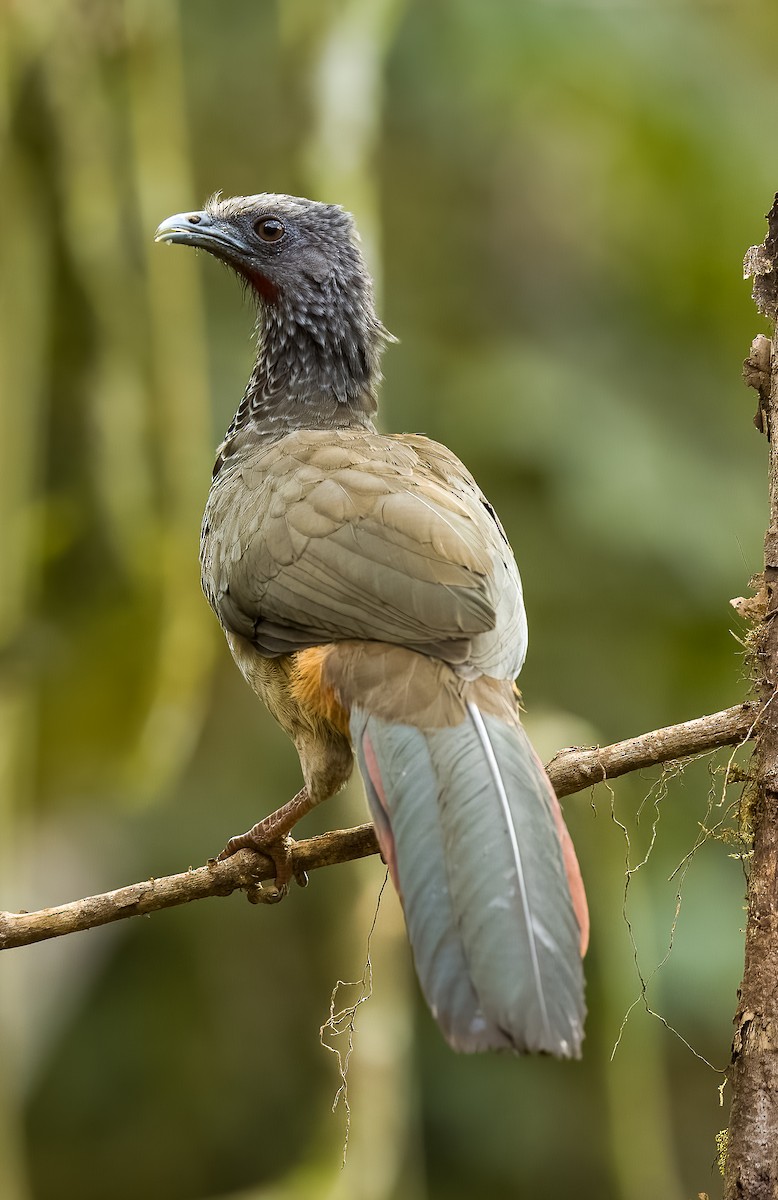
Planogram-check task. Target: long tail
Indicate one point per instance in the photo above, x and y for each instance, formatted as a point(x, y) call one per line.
point(493, 898)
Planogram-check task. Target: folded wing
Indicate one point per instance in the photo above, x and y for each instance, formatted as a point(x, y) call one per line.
point(353, 535)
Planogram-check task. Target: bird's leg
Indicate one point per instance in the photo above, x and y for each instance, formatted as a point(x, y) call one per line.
point(270, 836)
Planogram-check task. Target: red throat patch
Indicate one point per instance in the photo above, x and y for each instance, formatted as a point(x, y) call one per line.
point(261, 285)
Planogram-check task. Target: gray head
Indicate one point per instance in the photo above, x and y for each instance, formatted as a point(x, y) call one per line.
point(320, 338)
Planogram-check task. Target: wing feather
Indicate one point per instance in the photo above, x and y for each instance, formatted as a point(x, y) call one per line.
point(326, 536)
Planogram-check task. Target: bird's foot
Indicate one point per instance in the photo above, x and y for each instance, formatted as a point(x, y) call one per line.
point(277, 849)
point(271, 838)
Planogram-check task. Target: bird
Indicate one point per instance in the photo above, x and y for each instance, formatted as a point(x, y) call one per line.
point(370, 597)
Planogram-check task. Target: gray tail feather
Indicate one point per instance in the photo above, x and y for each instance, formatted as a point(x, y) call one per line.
point(465, 823)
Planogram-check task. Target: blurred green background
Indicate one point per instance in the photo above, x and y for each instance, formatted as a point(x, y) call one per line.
point(555, 198)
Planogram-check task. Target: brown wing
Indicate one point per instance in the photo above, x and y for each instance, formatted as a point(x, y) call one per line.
point(325, 536)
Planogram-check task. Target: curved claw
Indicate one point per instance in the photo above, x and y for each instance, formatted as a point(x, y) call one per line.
point(266, 895)
point(271, 837)
point(280, 850)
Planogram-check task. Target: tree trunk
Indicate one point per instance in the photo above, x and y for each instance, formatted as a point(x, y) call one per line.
point(752, 1147)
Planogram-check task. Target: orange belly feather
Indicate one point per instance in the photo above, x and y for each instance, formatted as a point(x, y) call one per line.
point(312, 693)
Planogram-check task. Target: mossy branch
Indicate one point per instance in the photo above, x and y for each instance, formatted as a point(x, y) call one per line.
point(570, 770)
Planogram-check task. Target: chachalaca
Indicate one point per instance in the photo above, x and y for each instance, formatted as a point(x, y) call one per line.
point(370, 597)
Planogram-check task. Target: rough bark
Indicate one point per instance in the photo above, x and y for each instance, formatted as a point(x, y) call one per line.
point(570, 771)
point(751, 1170)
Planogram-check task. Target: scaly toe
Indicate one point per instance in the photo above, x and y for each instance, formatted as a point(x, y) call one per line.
point(279, 850)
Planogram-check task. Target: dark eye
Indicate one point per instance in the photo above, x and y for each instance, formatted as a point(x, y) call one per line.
point(268, 229)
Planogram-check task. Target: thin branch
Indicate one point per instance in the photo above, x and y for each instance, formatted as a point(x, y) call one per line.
point(570, 771)
point(244, 871)
point(574, 769)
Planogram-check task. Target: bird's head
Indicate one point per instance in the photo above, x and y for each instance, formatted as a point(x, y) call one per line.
point(289, 250)
point(320, 337)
